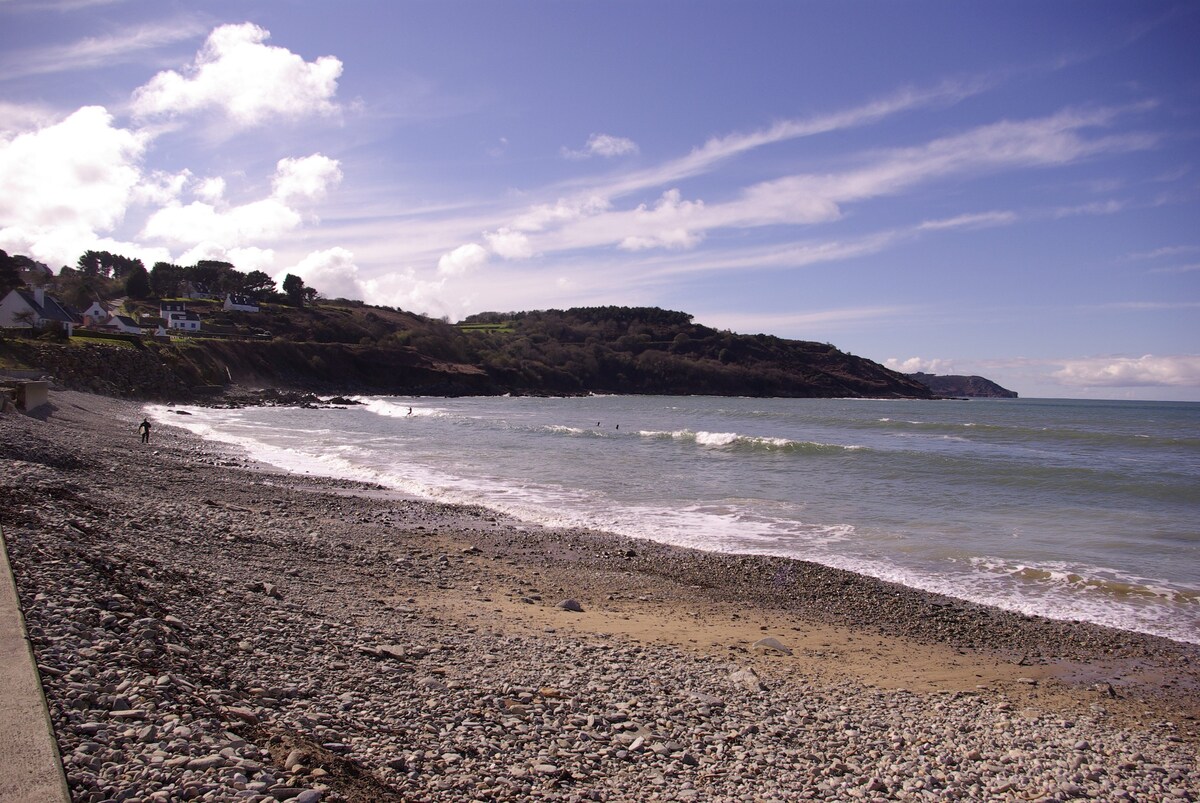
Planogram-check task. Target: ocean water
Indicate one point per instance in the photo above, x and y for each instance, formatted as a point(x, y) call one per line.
point(1086, 510)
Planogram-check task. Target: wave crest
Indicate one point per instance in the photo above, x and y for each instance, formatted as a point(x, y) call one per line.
point(734, 440)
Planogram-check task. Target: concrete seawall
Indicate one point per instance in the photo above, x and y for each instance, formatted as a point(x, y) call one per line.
point(30, 767)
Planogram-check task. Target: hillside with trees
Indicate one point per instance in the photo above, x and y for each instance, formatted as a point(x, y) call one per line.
point(299, 340)
point(968, 387)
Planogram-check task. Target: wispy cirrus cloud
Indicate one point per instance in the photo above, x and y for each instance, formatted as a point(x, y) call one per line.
point(57, 6)
point(1189, 268)
point(716, 150)
point(826, 320)
point(98, 51)
point(1165, 251)
point(1151, 306)
point(591, 219)
point(971, 220)
point(604, 145)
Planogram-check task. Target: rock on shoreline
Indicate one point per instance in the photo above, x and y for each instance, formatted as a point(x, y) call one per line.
point(208, 631)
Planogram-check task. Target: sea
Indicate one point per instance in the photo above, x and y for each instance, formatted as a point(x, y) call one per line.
point(1074, 510)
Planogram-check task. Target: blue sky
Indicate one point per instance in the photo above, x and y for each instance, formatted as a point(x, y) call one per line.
point(1007, 189)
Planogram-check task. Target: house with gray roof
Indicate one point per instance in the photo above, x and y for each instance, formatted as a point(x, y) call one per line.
point(35, 308)
point(123, 323)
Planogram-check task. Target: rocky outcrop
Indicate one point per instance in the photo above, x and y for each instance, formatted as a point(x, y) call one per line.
point(973, 387)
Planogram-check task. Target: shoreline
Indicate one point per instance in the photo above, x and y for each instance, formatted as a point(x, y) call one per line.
point(1117, 610)
point(414, 650)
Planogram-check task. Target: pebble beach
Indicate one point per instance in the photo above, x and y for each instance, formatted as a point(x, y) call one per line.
point(209, 629)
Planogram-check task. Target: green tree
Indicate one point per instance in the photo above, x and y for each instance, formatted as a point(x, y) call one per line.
point(91, 264)
point(10, 274)
point(293, 288)
point(104, 264)
point(165, 279)
point(258, 284)
point(210, 273)
point(137, 285)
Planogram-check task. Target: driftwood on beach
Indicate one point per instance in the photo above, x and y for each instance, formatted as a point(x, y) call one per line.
point(207, 629)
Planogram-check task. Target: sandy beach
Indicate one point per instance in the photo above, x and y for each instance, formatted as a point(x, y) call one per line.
point(209, 629)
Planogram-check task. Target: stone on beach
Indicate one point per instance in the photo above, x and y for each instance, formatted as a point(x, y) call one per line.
point(177, 668)
point(748, 679)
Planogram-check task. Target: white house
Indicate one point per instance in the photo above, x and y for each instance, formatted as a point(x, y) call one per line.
point(240, 304)
point(177, 316)
point(35, 308)
point(97, 314)
point(123, 323)
point(186, 321)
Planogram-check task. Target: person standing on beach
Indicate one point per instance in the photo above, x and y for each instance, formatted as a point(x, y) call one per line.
point(144, 428)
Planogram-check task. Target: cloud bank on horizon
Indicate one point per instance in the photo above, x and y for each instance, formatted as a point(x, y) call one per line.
point(1025, 210)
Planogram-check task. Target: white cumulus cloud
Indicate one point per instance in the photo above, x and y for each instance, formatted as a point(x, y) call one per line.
point(161, 188)
point(249, 81)
point(462, 259)
point(914, 365)
point(217, 225)
point(305, 179)
point(668, 225)
point(509, 244)
point(64, 185)
point(1145, 371)
point(333, 273)
point(251, 258)
point(564, 210)
point(227, 228)
point(211, 190)
point(406, 290)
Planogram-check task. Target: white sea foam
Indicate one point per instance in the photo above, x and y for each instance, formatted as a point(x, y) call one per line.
point(909, 516)
point(723, 440)
point(565, 430)
point(716, 438)
point(391, 409)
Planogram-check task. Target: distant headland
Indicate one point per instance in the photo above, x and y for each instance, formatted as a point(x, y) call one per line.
point(971, 387)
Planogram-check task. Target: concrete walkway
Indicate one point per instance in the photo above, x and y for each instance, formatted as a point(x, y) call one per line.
point(30, 768)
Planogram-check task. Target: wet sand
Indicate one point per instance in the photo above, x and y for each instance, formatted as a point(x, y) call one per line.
point(211, 629)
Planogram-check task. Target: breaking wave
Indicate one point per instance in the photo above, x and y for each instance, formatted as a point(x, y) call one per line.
point(735, 441)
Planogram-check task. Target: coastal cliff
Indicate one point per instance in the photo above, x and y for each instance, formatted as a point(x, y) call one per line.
point(371, 350)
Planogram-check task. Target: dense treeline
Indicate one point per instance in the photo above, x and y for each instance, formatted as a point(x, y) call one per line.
point(103, 276)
